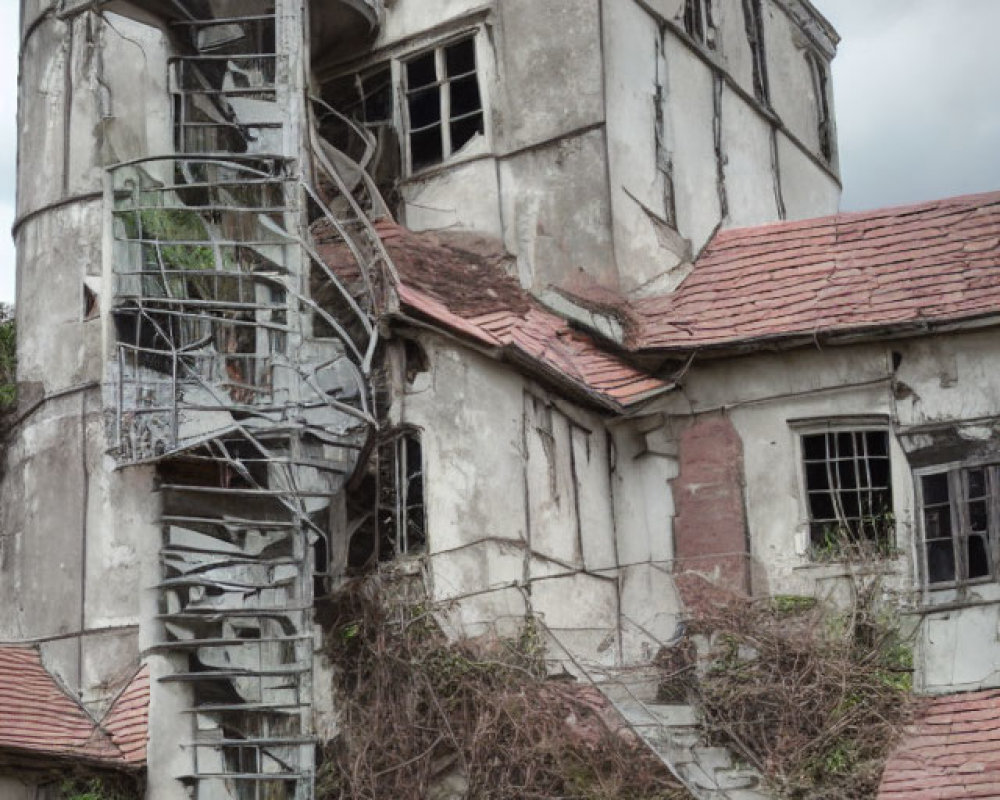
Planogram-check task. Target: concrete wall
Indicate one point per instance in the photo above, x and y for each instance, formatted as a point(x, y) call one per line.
point(534, 506)
point(615, 145)
point(686, 115)
point(938, 398)
point(79, 554)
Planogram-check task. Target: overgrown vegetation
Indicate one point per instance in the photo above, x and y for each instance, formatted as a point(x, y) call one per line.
point(814, 700)
point(101, 788)
point(423, 717)
point(8, 359)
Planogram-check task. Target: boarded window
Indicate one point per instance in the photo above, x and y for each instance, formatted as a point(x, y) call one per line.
point(821, 89)
point(753, 16)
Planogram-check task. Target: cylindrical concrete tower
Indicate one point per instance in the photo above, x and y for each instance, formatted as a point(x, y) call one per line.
point(194, 381)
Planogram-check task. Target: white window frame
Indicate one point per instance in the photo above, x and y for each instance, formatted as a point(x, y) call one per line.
point(397, 59)
point(443, 83)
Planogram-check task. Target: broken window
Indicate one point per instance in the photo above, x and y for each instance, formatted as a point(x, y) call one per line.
point(698, 22)
point(821, 90)
point(753, 16)
point(444, 108)
point(848, 491)
point(960, 515)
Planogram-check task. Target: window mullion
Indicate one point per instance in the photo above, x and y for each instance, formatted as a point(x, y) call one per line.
point(445, 91)
point(993, 519)
point(958, 483)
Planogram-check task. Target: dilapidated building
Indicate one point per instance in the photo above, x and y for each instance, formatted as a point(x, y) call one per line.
point(305, 287)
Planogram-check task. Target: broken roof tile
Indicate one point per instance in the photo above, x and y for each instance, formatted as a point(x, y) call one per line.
point(460, 281)
point(935, 262)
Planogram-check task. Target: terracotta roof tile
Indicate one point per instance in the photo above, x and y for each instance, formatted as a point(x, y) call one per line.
point(38, 716)
point(953, 751)
point(934, 262)
point(461, 282)
point(127, 721)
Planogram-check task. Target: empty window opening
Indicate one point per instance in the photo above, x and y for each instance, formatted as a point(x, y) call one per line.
point(848, 491)
point(959, 511)
point(91, 308)
point(821, 90)
point(698, 22)
point(444, 109)
point(753, 16)
point(386, 509)
point(401, 502)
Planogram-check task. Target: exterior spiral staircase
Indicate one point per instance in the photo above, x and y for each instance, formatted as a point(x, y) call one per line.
point(244, 371)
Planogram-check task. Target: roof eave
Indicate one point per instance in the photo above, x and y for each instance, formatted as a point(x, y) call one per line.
point(527, 363)
point(800, 339)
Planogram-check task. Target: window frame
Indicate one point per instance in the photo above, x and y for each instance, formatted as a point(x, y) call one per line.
point(957, 476)
point(396, 61)
point(852, 425)
point(753, 16)
point(819, 72)
point(699, 23)
point(443, 83)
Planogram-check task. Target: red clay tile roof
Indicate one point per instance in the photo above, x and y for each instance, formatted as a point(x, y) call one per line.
point(127, 721)
point(459, 281)
point(37, 716)
point(932, 263)
point(953, 752)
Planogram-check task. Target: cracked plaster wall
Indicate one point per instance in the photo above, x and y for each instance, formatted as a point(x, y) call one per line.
point(590, 105)
point(935, 404)
point(535, 504)
point(80, 539)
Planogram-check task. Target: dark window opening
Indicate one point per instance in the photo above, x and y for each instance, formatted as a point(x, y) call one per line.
point(753, 16)
point(698, 22)
point(444, 104)
point(387, 506)
point(417, 361)
point(848, 492)
point(91, 307)
point(401, 501)
point(960, 524)
point(821, 90)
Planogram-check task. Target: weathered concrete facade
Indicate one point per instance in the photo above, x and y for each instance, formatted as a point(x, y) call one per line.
point(202, 390)
point(614, 141)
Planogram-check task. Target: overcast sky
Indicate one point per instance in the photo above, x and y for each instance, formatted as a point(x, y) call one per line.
point(917, 86)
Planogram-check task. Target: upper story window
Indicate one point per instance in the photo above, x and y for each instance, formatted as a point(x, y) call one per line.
point(821, 89)
point(848, 487)
point(754, 19)
point(444, 107)
point(698, 22)
point(960, 512)
point(421, 109)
